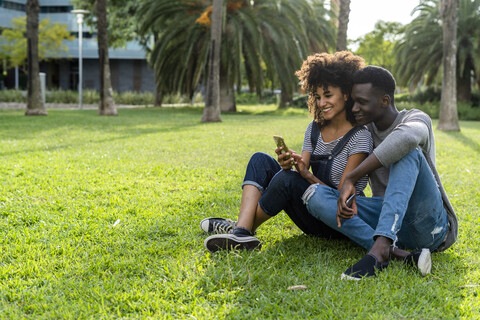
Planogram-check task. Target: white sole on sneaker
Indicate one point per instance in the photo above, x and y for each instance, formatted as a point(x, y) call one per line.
point(231, 242)
point(425, 262)
point(347, 277)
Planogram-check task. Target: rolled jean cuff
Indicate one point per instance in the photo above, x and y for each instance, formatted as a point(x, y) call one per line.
point(255, 184)
point(267, 212)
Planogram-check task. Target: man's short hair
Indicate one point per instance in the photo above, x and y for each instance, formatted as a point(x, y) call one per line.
point(379, 77)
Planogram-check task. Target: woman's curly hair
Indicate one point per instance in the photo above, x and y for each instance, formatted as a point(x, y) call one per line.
point(325, 69)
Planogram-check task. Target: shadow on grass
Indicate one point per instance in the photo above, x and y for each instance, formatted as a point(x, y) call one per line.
point(130, 129)
point(467, 141)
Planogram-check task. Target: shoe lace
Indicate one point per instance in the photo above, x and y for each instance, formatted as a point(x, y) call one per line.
point(222, 226)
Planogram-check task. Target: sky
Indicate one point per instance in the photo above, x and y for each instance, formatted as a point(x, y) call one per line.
point(365, 13)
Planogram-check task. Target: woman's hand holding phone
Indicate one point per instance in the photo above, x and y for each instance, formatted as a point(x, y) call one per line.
point(285, 159)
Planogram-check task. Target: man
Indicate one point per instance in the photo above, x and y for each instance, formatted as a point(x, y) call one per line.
point(409, 208)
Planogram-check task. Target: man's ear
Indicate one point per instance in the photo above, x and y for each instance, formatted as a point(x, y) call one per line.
point(386, 100)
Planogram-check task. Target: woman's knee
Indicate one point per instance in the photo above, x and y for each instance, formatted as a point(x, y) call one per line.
point(284, 179)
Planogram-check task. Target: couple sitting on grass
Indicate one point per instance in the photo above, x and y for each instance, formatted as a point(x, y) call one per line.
point(354, 112)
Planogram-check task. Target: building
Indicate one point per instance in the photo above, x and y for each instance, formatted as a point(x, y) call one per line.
point(129, 68)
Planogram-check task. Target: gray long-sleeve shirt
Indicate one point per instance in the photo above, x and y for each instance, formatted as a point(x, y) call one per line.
point(411, 129)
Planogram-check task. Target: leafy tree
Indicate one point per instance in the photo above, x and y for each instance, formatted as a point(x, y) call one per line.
point(419, 53)
point(35, 105)
point(377, 47)
point(13, 47)
point(263, 40)
point(448, 119)
point(121, 14)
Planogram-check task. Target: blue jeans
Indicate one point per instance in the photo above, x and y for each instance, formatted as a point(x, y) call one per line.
point(411, 213)
point(283, 190)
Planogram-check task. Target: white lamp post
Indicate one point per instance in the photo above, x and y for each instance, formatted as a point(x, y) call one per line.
point(80, 13)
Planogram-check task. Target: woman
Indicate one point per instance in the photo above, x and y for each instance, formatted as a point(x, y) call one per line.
point(332, 146)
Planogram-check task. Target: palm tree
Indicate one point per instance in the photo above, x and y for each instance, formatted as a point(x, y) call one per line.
point(448, 119)
point(419, 53)
point(107, 104)
point(262, 40)
point(35, 105)
point(343, 16)
point(211, 112)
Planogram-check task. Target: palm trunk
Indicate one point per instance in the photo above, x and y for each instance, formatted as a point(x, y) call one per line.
point(158, 87)
point(448, 119)
point(107, 105)
point(35, 105)
point(285, 97)
point(343, 16)
point(227, 94)
point(211, 112)
point(158, 93)
point(464, 82)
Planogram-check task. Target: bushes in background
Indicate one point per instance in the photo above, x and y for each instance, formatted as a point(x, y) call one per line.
point(93, 96)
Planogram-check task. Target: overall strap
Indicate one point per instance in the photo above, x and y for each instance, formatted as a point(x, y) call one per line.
point(341, 144)
point(314, 135)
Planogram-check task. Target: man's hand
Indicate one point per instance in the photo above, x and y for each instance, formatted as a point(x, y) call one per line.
point(285, 163)
point(343, 211)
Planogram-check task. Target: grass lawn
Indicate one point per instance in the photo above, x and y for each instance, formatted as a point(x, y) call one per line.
point(99, 219)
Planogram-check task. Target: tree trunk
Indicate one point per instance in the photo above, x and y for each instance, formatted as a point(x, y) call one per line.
point(107, 105)
point(211, 112)
point(464, 81)
point(158, 87)
point(227, 97)
point(35, 105)
point(227, 94)
point(285, 98)
point(343, 25)
point(448, 119)
point(158, 93)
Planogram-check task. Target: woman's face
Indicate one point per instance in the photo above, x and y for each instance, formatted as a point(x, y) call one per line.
point(331, 101)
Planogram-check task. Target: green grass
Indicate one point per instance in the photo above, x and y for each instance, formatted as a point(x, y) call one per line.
point(99, 219)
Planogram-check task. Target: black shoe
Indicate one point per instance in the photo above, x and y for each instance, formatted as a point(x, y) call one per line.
point(366, 267)
point(217, 225)
point(421, 259)
point(231, 241)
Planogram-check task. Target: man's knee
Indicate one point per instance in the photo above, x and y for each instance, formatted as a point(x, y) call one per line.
point(414, 157)
point(320, 198)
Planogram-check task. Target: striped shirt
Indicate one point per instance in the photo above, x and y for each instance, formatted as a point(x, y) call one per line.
point(360, 142)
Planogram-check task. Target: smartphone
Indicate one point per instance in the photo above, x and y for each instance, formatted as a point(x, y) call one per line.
point(281, 143)
point(350, 201)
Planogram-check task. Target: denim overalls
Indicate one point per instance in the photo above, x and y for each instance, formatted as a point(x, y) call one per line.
point(322, 164)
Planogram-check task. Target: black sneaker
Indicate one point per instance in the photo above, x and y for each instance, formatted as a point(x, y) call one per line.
point(217, 225)
point(231, 241)
point(421, 259)
point(366, 267)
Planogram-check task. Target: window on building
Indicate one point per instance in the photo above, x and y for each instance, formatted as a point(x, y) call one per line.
point(13, 5)
point(43, 9)
point(56, 9)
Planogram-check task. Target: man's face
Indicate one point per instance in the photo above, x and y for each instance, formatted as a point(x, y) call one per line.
point(368, 103)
